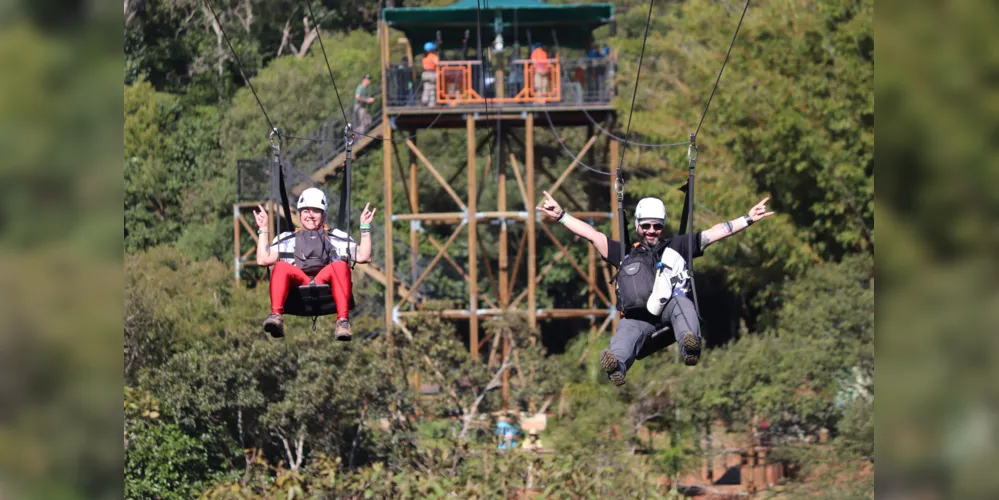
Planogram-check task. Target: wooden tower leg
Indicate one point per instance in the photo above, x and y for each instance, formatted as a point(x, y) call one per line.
point(532, 262)
point(473, 260)
point(387, 187)
point(615, 229)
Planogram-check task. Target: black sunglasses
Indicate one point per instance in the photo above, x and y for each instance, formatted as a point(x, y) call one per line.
point(650, 225)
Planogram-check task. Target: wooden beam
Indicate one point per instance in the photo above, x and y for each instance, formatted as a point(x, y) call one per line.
point(504, 276)
point(235, 239)
point(438, 246)
point(473, 235)
point(414, 207)
point(445, 216)
point(544, 313)
point(387, 192)
point(540, 276)
point(591, 276)
point(573, 263)
point(570, 199)
point(253, 234)
point(436, 174)
point(433, 262)
point(572, 166)
point(493, 287)
point(516, 266)
point(532, 299)
point(520, 183)
point(614, 147)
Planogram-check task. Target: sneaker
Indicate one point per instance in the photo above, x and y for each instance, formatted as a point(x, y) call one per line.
point(274, 325)
point(343, 330)
point(690, 348)
point(608, 362)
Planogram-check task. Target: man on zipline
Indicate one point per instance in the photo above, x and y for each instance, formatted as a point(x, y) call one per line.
point(312, 254)
point(652, 279)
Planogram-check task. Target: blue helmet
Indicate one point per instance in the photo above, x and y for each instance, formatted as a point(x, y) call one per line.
point(537, 44)
point(427, 47)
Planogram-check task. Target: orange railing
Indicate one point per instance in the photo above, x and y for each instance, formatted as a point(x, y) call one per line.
point(530, 92)
point(454, 84)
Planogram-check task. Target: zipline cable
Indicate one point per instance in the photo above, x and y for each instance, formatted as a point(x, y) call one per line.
point(329, 69)
point(567, 151)
point(308, 3)
point(610, 134)
point(720, 71)
point(240, 65)
point(619, 181)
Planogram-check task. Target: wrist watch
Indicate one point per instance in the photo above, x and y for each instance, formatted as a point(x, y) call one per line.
point(749, 220)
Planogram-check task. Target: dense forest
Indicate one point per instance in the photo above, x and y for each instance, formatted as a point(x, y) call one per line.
point(214, 407)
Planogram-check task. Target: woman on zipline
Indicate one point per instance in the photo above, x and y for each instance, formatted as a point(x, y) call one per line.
point(311, 254)
point(652, 279)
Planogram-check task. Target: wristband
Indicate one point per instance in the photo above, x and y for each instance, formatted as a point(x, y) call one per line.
point(749, 220)
point(559, 218)
point(565, 218)
point(366, 225)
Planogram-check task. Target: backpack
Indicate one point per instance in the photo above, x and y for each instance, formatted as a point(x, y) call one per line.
point(313, 250)
point(636, 277)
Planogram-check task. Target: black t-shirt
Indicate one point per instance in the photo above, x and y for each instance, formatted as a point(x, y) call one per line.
point(673, 256)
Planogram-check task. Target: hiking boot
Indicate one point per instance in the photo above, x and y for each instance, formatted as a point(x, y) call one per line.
point(608, 362)
point(690, 348)
point(274, 325)
point(342, 330)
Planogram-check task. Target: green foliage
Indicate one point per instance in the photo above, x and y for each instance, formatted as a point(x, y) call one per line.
point(161, 460)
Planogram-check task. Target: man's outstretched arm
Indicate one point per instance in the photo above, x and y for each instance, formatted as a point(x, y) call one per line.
point(551, 208)
point(726, 229)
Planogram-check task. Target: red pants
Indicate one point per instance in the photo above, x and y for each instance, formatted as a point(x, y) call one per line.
point(336, 274)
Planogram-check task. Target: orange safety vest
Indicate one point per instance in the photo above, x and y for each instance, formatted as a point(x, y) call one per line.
point(540, 60)
point(430, 62)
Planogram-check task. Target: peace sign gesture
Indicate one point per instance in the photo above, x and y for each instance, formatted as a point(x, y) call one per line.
point(368, 214)
point(759, 211)
point(549, 206)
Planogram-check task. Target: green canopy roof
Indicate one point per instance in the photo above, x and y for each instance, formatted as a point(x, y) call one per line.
point(570, 25)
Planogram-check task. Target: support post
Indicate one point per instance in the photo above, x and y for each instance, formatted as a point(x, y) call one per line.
point(615, 230)
point(235, 234)
point(387, 189)
point(473, 260)
point(414, 207)
point(504, 275)
point(532, 299)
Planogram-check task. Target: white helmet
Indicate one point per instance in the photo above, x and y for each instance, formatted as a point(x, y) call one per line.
point(312, 198)
point(650, 208)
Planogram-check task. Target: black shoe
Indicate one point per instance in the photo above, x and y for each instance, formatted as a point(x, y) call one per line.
point(690, 348)
point(343, 330)
point(274, 325)
point(608, 362)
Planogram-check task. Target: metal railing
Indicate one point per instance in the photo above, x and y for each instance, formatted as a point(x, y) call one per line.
point(566, 82)
point(302, 157)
